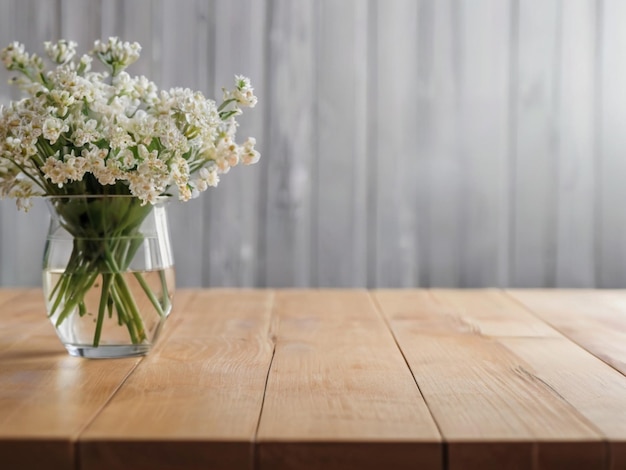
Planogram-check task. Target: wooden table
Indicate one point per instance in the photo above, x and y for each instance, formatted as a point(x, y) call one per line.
point(331, 379)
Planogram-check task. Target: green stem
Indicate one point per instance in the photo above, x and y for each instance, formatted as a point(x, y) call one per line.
point(165, 289)
point(104, 298)
point(131, 307)
point(122, 318)
point(146, 288)
point(75, 298)
point(126, 298)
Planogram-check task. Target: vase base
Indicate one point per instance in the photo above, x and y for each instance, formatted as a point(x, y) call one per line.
point(108, 352)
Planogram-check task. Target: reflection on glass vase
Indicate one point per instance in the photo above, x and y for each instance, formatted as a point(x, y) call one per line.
point(108, 273)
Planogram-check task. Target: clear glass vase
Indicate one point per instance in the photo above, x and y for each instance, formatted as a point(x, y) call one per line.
point(108, 274)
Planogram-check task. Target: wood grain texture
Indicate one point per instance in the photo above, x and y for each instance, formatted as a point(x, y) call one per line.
point(479, 390)
point(340, 209)
point(339, 393)
point(596, 320)
point(46, 397)
point(22, 235)
point(396, 242)
point(22, 313)
point(596, 390)
point(344, 379)
point(483, 65)
point(440, 124)
point(421, 143)
point(534, 141)
point(290, 142)
point(577, 155)
point(175, 69)
point(195, 401)
point(231, 216)
point(610, 142)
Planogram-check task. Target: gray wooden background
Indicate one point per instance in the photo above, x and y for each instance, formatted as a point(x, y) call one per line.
point(463, 143)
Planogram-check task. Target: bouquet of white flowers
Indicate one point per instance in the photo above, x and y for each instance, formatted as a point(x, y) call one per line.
point(80, 134)
point(86, 132)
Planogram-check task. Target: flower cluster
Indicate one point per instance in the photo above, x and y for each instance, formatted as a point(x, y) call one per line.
point(81, 131)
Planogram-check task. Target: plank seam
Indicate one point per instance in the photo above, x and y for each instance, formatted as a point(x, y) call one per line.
point(273, 338)
point(77, 439)
point(558, 330)
point(606, 440)
point(379, 310)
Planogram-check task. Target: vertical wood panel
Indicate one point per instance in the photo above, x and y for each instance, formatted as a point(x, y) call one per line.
point(290, 143)
point(177, 31)
point(132, 21)
point(535, 144)
point(611, 264)
point(484, 62)
point(340, 236)
point(79, 21)
point(575, 242)
point(399, 162)
point(445, 233)
point(8, 253)
point(23, 235)
point(231, 211)
point(431, 142)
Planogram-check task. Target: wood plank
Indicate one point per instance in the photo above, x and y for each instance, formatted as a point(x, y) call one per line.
point(79, 21)
point(534, 144)
point(133, 21)
point(290, 142)
point(337, 382)
point(595, 389)
point(399, 166)
point(22, 315)
point(442, 84)
point(7, 294)
point(483, 65)
point(232, 211)
point(7, 206)
point(474, 312)
point(340, 233)
point(611, 220)
point(596, 320)
point(194, 402)
point(46, 396)
point(576, 219)
point(177, 41)
point(489, 413)
point(23, 235)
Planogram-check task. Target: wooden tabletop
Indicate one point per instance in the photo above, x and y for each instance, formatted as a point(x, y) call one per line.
point(331, 379)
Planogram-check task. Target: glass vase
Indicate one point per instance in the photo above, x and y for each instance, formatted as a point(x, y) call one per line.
point(108, 274)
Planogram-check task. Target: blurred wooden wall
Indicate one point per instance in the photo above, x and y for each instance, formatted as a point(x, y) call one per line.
point(461, 143)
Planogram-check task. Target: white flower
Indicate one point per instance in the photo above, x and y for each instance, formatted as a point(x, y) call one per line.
point(244, 93)
point(116, 53)
point(85, 132)
point(61, 100)
point(208, 177)
point(114, 126)
point(62, 51)
point(119, 138)
point(54, 170)
point(52, 129)
point(126, 159)
point(249, 155)
point(213, 179)
point(14, 56)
